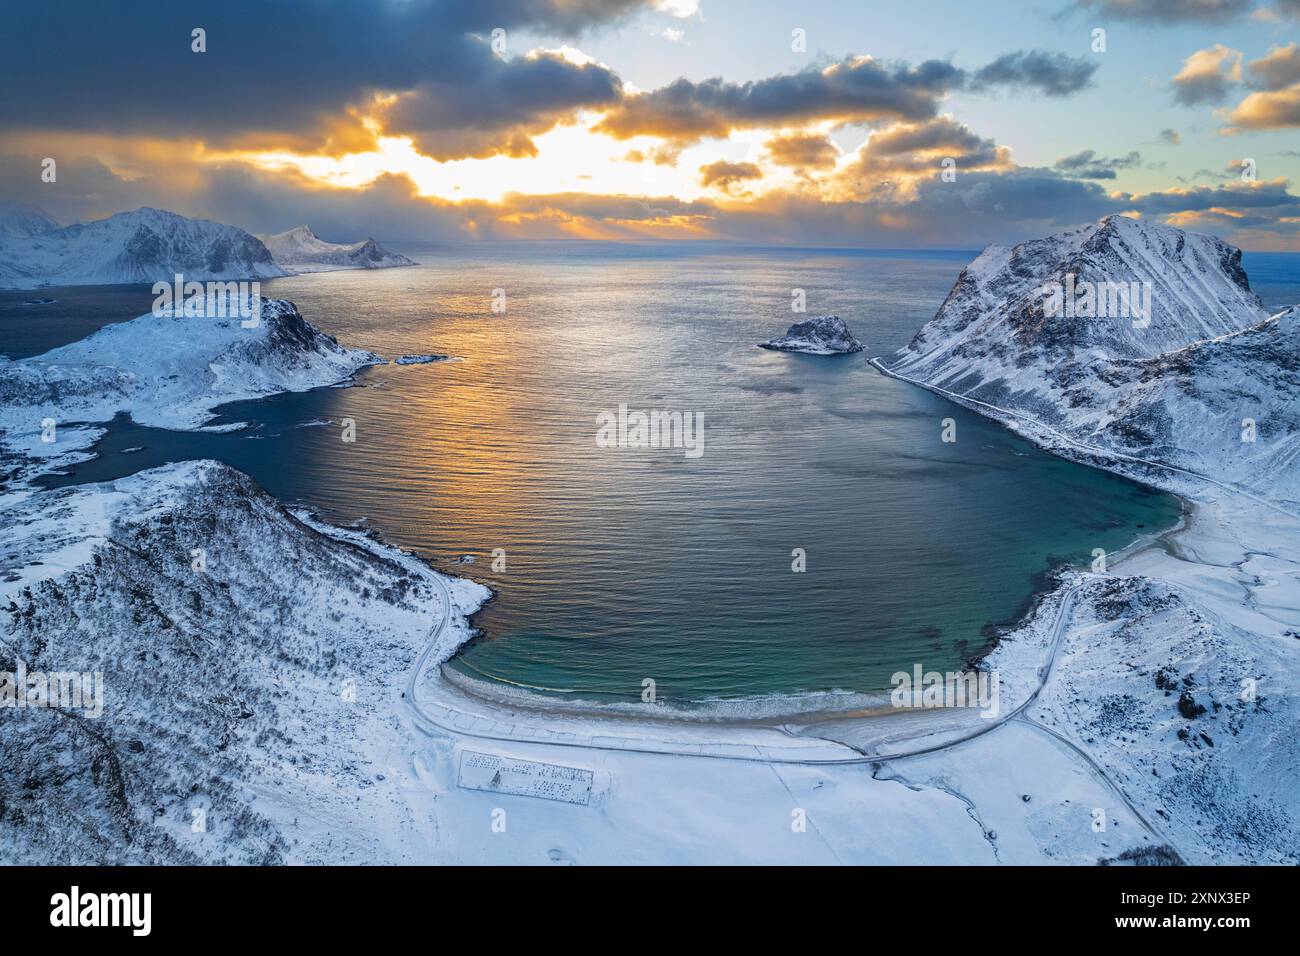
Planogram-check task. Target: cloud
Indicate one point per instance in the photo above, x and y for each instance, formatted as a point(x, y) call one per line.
point(1171, 11)
point(1277, 110)
point(1171, 137)
point(1052, 74)
point(1280, 10)
point(1238, 195)
point(1208, 75)
point(678, 8)
point(495, 105)
point(857, 89)
point(1088, 165)
point(297, 73)
point(896, 161)
point(1275, 104)
point(726, 175)
point(805, 151)
point(1278, 70)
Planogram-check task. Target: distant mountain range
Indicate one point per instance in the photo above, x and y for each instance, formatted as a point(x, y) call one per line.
point(301, 250)
point(146, 245)
point(150, 245)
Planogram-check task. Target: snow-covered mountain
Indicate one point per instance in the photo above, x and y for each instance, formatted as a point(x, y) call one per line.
point(253, 691)
point(301, 250)
point(22, 221)
point(169, 371)
point(1180, 384)
point(145, 245)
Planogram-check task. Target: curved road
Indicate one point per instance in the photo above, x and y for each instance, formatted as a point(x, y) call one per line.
point(432, 726)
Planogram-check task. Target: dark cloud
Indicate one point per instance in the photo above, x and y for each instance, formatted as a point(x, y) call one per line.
point(1088, 165)
point(285, 68)
point(1171, 137)
point(1052, 74)
point(1171, 11)
point(858, 89)
point(501, 101)
point(1234, 196)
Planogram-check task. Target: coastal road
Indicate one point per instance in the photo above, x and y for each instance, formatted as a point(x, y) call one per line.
point(761, 753)
point(431, 726)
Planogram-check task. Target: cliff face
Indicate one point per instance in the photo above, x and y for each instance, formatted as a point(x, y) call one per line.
point(1199, 377)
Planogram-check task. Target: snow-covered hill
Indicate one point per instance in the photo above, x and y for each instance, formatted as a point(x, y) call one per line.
point(168, 371)
point(256, 695)
point(1182, 389)
point(300, 250)
point(145, 245)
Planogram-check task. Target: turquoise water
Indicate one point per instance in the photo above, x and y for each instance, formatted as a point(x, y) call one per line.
point(623, 564)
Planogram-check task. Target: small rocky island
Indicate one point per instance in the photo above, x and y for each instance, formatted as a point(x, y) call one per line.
point(824, 335)
point(420, 359)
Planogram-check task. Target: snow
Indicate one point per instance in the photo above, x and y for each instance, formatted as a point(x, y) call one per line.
point(145, 245)
point(167, 371)
point(824, 335)
point(301, 250)
point(227, 688)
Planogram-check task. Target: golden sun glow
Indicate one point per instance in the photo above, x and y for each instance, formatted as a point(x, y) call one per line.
point(570, 159)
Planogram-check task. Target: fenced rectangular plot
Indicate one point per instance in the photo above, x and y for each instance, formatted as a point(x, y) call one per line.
point(525, 778)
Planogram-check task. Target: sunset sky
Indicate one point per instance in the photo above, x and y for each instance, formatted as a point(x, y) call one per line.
point(662, 119)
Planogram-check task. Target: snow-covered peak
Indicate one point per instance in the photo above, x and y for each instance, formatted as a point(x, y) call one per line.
point(1201, 378)
point(301, 250)
point(22, 220)
point(1120, 288)
point(143, 245)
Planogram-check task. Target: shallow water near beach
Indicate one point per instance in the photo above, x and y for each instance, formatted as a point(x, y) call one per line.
point(630, 564)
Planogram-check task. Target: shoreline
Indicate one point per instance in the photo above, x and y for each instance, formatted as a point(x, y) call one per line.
point(517, 698)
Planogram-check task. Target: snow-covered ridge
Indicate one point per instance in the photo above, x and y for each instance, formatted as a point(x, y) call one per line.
point(301, 250)
point(1183, 389)
point(1173, 671)
point(145, 245)
point(259, 688)
point(168, 371)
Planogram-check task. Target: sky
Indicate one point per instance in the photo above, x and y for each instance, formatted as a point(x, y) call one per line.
point(846, 123)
